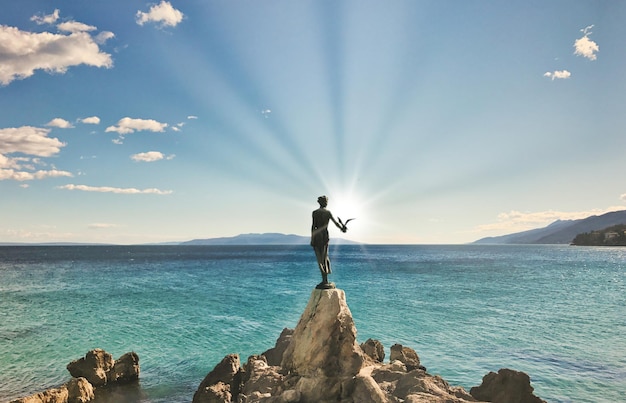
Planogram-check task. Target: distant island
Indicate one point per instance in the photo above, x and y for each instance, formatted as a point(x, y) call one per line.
point(611, 236)
point(562, 231)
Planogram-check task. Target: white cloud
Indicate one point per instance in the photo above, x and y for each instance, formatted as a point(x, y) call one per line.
point(192, 117)
point(46, 19)
point(10, 174)
point(107, 189)
point(151, 156)
point(24, 52)
point(92, 120)
point(29, 140)
point(74, 26)
point(129, 125)
point(162, 13)
point(560, 74)
point(586, 47)
point(60, 123)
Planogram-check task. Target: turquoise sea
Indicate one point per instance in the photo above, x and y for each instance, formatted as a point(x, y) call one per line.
point(555, 312)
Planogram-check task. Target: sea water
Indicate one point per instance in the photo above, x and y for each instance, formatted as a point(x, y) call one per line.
point(557, 313)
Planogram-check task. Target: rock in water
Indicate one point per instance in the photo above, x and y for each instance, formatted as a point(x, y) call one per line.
point(125, 369)
point(94, 367)
point(323, 351)
point(507, 386)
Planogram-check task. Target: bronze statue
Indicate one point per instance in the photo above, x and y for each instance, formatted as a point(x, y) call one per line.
point(320, 238)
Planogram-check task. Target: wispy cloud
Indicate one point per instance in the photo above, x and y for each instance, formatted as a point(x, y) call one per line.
point(560, 74)
point(108, 189)
point(46, 19)
point(25, 52)
point(151, 156)
point(129, 125)
point(163, 14)
point(584, 46)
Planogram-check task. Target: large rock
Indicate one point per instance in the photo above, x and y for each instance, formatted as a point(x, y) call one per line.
point(507, 386)
point(94, 367)
point(324, 341)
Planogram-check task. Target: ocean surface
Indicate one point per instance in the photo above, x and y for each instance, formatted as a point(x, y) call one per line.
point(557, 313)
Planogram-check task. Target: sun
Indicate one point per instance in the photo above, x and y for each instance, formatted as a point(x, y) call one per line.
point(347, 207)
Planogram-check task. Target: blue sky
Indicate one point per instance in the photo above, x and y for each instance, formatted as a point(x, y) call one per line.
point(429, 121)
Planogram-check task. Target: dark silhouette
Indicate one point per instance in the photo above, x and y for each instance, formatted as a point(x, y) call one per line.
point(320, 238)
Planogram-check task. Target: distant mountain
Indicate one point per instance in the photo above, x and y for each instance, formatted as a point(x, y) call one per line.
point(261, 239)
point(559, 232)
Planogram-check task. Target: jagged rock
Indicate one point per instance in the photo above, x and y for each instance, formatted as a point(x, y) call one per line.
point(374, 349)
point(507, 386)
point(94, 367)
point(79, 391)
point(125, 369)
point(275, 354)
point(407, 356)
point(228, 374)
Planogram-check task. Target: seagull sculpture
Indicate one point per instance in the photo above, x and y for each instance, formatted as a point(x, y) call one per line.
point(345, 225)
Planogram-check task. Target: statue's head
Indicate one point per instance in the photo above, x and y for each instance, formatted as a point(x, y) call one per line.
point(323, 201)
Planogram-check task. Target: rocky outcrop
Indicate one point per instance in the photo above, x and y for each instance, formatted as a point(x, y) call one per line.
point(320, 361)
point(507, 386)
point(99, 368)
point(96, 369)
point(323, 352)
